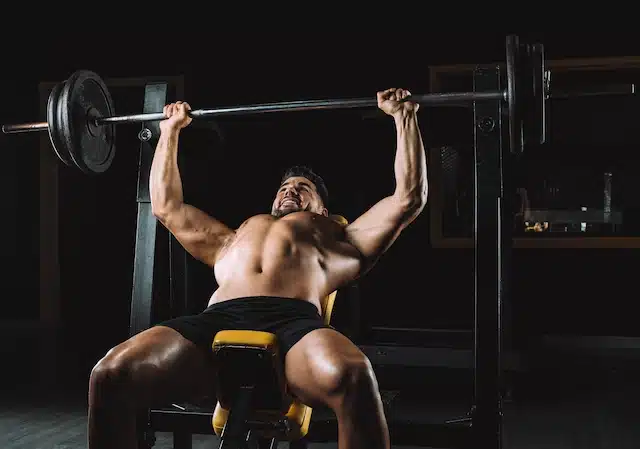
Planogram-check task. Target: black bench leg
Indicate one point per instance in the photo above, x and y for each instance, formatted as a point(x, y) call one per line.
point(146, 439)
point(146, 435)
point(236, 434)
point(182, 440)
point(268, 443)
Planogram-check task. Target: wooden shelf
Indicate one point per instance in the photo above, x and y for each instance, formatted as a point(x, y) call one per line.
point(438, 241)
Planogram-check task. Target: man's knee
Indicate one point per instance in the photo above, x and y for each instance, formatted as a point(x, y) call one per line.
point(350, 374)
point(115, 371)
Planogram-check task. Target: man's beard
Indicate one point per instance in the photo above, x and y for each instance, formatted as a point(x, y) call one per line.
point(279, 213)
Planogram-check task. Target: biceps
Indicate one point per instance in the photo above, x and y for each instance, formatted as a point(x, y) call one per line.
point(200, 234)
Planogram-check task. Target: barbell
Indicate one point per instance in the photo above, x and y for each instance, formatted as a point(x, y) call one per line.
point(81, 117)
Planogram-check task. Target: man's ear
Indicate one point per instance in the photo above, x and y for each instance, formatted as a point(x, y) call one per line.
point(325, 212)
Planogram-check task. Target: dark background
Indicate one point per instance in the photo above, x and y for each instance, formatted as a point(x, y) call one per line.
point(235, 173)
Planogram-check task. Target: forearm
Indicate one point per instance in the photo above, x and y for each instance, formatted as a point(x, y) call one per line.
point(410, 163)
point(165, 184)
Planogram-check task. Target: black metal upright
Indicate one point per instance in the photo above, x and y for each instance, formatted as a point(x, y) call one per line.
point(145, 268)
point(489, 251)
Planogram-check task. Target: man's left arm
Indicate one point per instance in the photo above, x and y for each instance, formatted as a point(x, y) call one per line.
point(376, 230)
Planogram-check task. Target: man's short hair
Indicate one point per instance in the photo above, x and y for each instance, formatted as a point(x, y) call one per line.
point(306, 172)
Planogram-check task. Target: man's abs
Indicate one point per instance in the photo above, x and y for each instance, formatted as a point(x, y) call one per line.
point(292, 257)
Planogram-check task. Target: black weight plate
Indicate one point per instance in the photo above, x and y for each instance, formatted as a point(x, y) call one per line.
point(525, 97)
point(54, 129)
point(514, 94)
point(537, 123)
point(83, 99)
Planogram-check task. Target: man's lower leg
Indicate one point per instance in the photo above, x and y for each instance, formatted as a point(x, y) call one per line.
point(112, 415)
point(361, 419)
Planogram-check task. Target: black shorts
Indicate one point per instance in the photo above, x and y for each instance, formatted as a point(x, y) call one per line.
point(290, 319)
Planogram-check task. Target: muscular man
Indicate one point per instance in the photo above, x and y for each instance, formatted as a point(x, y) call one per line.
point(272, 273)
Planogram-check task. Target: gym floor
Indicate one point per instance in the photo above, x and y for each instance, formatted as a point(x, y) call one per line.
point(589, 416)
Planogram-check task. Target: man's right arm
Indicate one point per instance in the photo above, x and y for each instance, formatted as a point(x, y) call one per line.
point(200, 234)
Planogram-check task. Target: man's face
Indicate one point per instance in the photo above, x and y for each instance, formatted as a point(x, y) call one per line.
point(297, 194)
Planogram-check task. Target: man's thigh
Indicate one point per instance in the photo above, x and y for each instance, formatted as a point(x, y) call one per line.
point(315, 365)
point(159, 365)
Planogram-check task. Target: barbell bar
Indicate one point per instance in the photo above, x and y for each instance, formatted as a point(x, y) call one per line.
point(292, 106)
point(81, 118)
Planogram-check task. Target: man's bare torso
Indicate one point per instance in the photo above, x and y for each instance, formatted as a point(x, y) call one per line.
point(302, 255)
